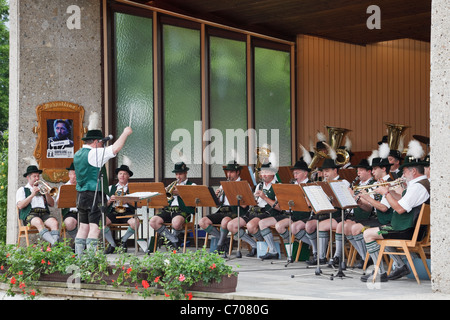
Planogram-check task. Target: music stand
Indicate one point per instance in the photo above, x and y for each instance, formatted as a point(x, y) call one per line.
point(197, 196)
point(329, 192)
point(320, 204)
point(345, 202)
point(290, 198)
point(135, 198)
point(156, 202)
point(238, 193)
point(67, 198)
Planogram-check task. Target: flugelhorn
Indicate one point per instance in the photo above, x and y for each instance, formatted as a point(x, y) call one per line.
point(391, 184)
point(169, 190)
point(44, 188)
point(119, 208)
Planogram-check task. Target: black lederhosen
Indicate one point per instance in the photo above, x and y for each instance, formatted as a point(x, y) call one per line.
point(168, 213)
point(86, 212)
point(41, 213)
point(113, 215)
point(263, 213)
point(223, 212)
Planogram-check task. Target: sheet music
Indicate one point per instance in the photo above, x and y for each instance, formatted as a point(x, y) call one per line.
point(318, 198)
point(142, 195)
point(343, 195)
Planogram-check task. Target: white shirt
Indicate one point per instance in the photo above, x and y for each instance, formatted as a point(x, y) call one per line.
point(415, 195)
point(36, 202)
point(96, 154)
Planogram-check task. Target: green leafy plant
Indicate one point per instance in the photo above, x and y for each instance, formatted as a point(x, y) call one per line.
point(169, 273)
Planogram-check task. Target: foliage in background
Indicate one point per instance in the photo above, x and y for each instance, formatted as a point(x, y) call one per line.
point(3, 184)
point(4, 65)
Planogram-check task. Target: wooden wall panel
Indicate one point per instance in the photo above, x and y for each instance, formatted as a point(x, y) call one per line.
point(361, 88)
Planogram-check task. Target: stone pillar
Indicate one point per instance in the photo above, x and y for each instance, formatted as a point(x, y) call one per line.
point(55, 55)
point(439, 142)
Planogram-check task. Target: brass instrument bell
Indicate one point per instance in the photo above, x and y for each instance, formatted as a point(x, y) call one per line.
point(169, 190)
point(119, 208)
point(44, 188)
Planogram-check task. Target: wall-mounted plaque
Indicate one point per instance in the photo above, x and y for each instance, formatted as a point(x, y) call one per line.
point(59, 130)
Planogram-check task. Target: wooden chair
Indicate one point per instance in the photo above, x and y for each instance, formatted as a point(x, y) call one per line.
point(24, 231)
point(188, 227)
point(408, 246)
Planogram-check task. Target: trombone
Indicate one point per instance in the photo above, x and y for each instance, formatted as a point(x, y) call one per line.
point(400, 182)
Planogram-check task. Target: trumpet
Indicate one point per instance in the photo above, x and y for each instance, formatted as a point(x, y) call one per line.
point(44, 188)
point(400, 182)
point(169, 190)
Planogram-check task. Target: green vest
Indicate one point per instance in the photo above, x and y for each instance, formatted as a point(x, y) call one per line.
point(181, 205)
point(24, 212)
point(87, 174)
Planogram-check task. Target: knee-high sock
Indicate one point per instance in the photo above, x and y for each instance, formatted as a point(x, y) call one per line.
point(324, 237)
point(360, 245)
point(212, 231)
point(91, 244)
point(268, 237)
point(55, 235)
point(223, 236)
point(129, 233)
point(80, 245)
point(302, 236)
point(72, 233)
point(398, 262)
point(109, 237)
point(374, 249)
point(47, 236)
point(167, 234)
point(339, 242)
point(245, 237)
point(313, 240)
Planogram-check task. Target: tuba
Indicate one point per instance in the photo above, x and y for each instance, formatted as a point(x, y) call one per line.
point(395, 132)
point(169, 190)
point(44, 188)
point(262, 155)
point(335, 137)
point(119, 208)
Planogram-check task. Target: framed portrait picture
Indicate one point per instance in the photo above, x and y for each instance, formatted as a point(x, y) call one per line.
point(59, 130)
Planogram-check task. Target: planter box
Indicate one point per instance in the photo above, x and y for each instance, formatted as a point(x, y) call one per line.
point(228, 284)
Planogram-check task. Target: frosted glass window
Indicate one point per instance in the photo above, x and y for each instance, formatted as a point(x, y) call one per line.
point(134, 91)
point(182, 99)
point(273, 100)
point(228, 110)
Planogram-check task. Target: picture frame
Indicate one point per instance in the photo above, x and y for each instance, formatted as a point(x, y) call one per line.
point(59, 131)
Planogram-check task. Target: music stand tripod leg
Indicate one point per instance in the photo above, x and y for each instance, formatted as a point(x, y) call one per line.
point(238, 252)
point(342, 265)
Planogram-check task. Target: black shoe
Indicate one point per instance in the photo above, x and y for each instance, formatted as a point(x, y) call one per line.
point(124, 247)
point(110, 249)
point(335, 262)
point(399, 272)
point(380, 277)
point(252, 253)
point(269, 255)
point(312, 261)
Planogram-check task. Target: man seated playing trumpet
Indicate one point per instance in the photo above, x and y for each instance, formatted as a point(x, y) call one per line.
point(116, 209)
point(34, 202)
point(177, 212)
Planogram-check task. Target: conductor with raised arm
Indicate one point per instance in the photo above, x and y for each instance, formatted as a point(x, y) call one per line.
point(88, 161)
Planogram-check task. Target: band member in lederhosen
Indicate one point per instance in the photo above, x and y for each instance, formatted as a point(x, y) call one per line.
point(225, 213)
point(34, 207)
point(116, 209)
point(177, 212)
